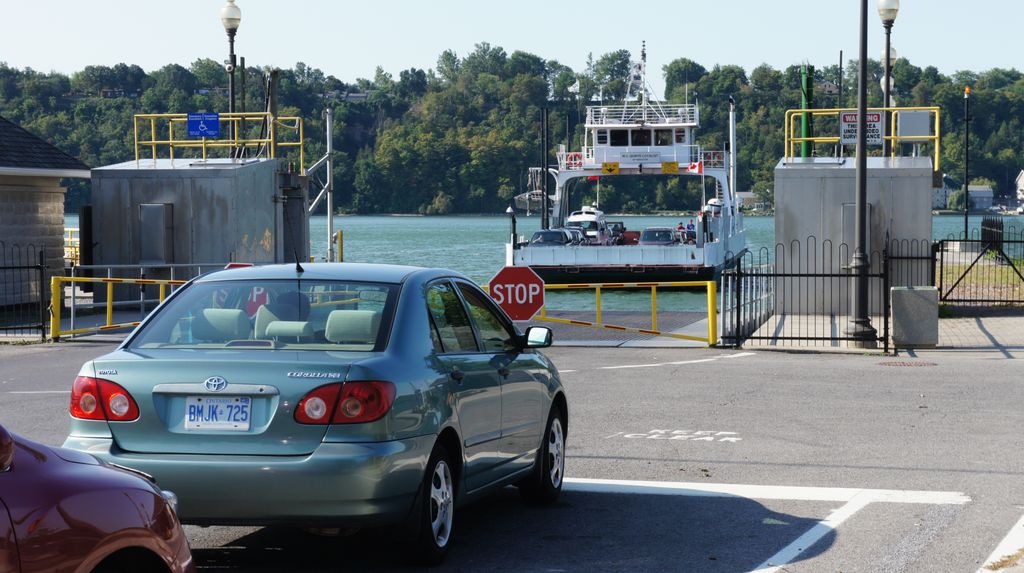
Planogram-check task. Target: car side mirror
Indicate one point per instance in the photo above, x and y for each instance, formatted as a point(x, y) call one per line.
point(538, 337)
point(6, 450)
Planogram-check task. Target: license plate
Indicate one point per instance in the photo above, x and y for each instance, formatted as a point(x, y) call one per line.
point(218, 413)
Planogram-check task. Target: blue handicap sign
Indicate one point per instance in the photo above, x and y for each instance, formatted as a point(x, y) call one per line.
point(203, 125)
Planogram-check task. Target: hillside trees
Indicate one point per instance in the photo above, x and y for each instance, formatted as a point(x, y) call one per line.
point(459, 138)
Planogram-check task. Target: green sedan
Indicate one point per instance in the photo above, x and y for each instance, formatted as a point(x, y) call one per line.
point(335, 395)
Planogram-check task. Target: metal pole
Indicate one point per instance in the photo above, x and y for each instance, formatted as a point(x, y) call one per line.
point(967, 156)
point(806, 102)
point(860, 324)
point(231, 84)
point(546, 207)
point(328, 113)
point(732, 154)
point(886, 142)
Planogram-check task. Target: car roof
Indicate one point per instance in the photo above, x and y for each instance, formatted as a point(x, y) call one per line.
point(367, 272)
point(659, 229)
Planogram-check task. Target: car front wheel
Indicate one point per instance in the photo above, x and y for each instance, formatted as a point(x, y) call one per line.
point(545, 483)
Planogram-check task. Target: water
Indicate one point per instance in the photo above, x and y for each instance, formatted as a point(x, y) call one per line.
point(474, 246)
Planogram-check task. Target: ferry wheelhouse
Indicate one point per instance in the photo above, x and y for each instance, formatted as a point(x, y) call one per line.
point(640, 137)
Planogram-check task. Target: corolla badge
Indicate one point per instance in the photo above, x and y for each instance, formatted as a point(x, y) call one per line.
point(215, 383)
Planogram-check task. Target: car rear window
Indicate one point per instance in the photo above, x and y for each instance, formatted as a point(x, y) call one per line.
point(274, 314)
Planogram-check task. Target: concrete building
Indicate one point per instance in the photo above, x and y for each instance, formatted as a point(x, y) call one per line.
point(815, 219)
point(32, 203)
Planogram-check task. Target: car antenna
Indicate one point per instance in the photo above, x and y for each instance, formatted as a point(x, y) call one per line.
point(298, 265)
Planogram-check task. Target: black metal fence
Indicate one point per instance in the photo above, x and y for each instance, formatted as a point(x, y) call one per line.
point(23, 293)
point(800, 293)
point(985, 270)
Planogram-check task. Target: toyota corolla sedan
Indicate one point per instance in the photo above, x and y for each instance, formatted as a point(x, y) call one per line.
point(335, 395)
point(63, 510)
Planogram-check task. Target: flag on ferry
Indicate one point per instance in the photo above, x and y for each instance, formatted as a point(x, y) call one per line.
point(697, 168)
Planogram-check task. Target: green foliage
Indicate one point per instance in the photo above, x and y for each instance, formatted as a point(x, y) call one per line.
point(460, 138)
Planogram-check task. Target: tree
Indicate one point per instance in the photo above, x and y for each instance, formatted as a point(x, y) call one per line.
point(681, 73)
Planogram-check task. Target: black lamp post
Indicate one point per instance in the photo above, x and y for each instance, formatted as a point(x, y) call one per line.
point(967, 156)
point(231, 17)
point(860, 324)
point(887, 10)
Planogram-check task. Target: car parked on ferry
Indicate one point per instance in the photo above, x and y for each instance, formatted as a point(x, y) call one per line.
point(578, 237)
point(551, 238)
point(330, 396)
point(62, 510)
point(663, 236)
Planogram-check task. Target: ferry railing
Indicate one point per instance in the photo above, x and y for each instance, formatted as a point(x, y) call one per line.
point(57, 298)
point(686, 114)
point(712, 308)
point(792, 140)
point(156, 130)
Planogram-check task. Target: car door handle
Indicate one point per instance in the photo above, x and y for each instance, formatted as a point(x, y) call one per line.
point(503, 371)
point(457, 375)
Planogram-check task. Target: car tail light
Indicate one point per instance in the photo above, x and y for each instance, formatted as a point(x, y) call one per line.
point(98, 399)
point(348, 403)
point(317, 406)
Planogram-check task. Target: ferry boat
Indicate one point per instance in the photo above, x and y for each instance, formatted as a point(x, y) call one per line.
point(641, 137)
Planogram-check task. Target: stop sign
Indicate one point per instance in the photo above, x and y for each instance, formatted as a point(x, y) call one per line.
point(519, 291)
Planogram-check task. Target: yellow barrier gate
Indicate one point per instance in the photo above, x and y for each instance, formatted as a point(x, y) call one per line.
point(57, 297)
point(709, 286)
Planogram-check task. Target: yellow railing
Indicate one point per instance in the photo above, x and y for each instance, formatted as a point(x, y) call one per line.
point(792, 140)
point(709, 286)
point(169, 130)
point(57, 297)
point(72, 245)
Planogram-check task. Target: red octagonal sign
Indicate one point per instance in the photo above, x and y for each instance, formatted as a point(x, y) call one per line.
point(519, 291)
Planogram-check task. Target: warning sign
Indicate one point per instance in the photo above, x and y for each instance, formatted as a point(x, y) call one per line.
point(848, 128)
point(610, 168)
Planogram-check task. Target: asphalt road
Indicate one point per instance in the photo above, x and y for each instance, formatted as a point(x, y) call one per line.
point(760, 461)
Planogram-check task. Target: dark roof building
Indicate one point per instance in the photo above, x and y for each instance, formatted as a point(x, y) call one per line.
point(24, 154)
point(31, 205)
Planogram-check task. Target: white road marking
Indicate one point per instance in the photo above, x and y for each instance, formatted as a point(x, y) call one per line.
point(38, 392)
point(1011, 546)
point(677, 363)
point(814, 534)
point(657, 364)
point(565, 371)
point(775, 492)
point(855, 499)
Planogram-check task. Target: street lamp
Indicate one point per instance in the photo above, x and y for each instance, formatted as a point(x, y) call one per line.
point(967, 156)
point(231, 17)
point(860, 328)
point(887, 10)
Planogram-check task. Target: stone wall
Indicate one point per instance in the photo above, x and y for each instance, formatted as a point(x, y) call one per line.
point(31, 218)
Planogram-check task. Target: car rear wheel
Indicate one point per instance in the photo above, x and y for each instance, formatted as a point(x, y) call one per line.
point(437, 509)
point(545, 483)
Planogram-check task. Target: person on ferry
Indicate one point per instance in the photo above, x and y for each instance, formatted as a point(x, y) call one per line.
point(691, 232)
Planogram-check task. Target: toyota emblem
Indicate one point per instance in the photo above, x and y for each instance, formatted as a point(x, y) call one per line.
point(215, 383)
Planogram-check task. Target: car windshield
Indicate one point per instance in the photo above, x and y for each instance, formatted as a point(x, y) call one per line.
point(585, 225)
point(657, 235)
point(273, 314)
point(548, 237)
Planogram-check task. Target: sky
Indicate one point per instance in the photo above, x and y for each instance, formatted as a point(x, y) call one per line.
point(350, 38)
